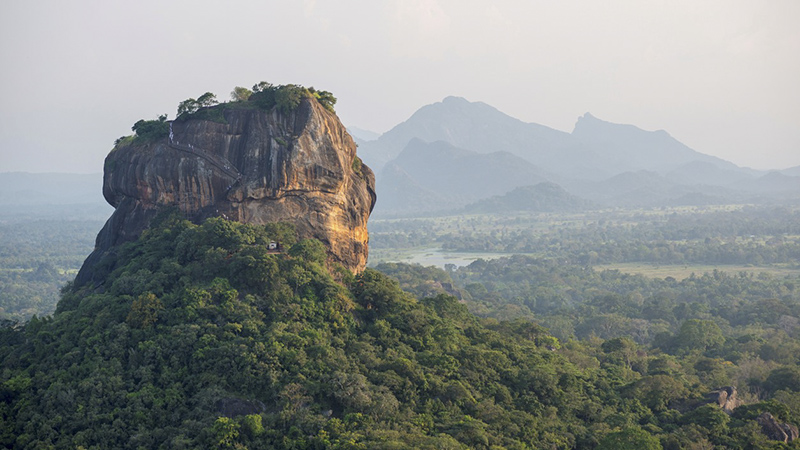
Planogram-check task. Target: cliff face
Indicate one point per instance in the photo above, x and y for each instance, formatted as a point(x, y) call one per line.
point(259, 167)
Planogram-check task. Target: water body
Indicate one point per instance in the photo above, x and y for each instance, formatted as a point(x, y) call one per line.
point(435, 257)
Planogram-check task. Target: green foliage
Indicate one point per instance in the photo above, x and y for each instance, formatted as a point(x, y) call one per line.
point(144, 311)
point(206, 100)
point(37, 258)
point(191, 106)
point(710, 417)
point(226, 434)
point(309, 250)
point(657, 346)
point(699, 335)
point(784, 378)
point(281, 232)
point(677, 237)
point(287, 97)
point(188, 106)
point(356, 166)
point(378, 293)
point(657, 392)
point(149, 130)
point(193, 316)
point(325, 98)
point(262, 86)
point(241, 94)
point(124, 140)
point(629, 439)
point(206, 107)
point(347, 367)
point(252, 425)
point(778, 409)
point(202, 108)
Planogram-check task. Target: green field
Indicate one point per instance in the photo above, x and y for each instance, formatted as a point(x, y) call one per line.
point(679, 272)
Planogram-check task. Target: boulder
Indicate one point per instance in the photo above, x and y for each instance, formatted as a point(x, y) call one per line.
point(775, 430)
point(726, 398)
point(234, 407)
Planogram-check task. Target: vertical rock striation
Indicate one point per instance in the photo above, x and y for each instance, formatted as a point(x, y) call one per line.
point(259, 167)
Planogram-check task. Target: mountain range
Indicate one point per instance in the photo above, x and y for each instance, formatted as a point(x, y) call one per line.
point(455, 152)
point(542, 197)
point(425, 176)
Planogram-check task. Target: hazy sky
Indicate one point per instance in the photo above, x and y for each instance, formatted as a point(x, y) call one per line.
point(721, 76)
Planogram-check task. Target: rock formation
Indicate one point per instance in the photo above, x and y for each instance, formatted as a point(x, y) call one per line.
point(260, 166)
point(726, 398)
point(775, 430)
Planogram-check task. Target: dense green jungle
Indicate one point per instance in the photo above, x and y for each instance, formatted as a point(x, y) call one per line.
point(37, 257)
point(202, 338)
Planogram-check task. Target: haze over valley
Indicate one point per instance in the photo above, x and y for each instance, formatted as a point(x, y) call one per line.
point(397, 225)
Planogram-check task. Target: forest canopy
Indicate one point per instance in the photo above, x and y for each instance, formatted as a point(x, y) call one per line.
point(200, 337)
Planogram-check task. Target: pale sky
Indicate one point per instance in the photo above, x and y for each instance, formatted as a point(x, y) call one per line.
point(722, 76)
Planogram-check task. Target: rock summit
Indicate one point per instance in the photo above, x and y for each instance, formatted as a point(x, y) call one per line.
point(248, 164)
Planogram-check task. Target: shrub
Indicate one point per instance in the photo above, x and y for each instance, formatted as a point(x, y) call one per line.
point(149, 130)
point(310, 250)
point(240, 94)
point(288, 96)
point(191, 106)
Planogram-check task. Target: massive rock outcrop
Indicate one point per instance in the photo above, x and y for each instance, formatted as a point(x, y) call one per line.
point(260, 166)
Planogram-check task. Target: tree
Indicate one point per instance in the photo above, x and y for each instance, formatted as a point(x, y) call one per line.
point(620, 349)
point(188, 106)
point(310, 250)
point(710, 417)
point(240, 94)
point(325, 98)
point(151, 129)
point(784, 378)
point(377, 292)
point(629, 439)
point(191, 106)
point(657, 391)
point(226, 433)
point(698, 334)
point(262, 86)
point(206, 100)
point(288, 97)
point(144, 311)
point(283, 233)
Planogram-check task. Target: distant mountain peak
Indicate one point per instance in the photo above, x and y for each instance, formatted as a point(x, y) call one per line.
point(590, 122)
point(362, 134)
point(452, 103)
point(455, 99)
point(594, 151)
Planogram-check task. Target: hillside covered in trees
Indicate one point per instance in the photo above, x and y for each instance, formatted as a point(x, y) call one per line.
point(200, 337)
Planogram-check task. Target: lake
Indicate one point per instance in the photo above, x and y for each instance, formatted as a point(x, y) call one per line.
point(430, 257)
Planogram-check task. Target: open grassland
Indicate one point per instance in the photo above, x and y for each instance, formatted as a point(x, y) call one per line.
point(679, 272)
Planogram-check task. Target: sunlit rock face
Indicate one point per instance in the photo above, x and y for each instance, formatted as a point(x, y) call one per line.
point(259, 167)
